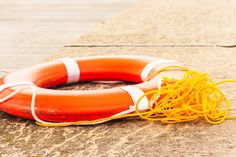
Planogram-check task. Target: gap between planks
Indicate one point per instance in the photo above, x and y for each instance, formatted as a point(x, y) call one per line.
point(150, 45)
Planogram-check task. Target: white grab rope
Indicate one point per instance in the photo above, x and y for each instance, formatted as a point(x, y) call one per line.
point(29, 85)
point(6, 86)
point(26, 85)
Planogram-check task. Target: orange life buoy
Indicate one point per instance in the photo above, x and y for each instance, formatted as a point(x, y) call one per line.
point(68, 106)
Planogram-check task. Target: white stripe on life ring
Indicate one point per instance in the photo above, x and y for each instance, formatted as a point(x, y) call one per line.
point(148, 68)
point(72, 68)
point(135, 93)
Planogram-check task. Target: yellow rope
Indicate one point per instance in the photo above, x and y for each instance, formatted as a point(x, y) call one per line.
point(194, 96)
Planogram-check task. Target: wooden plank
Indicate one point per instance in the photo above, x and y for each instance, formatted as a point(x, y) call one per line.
point(29, 27)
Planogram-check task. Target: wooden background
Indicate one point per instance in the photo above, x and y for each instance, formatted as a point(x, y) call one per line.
point(32, 30)
point(199, 33)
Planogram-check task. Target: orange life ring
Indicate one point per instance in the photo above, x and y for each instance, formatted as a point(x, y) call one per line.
point(68, 106)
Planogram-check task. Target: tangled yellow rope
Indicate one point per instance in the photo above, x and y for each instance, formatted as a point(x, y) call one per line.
point(194, 96)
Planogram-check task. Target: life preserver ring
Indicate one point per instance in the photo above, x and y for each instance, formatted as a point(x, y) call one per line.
point(68, 106)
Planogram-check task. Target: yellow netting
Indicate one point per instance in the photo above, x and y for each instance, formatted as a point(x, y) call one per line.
point(194, 96)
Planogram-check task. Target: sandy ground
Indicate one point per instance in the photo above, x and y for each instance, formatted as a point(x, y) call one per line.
point(190, 32)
